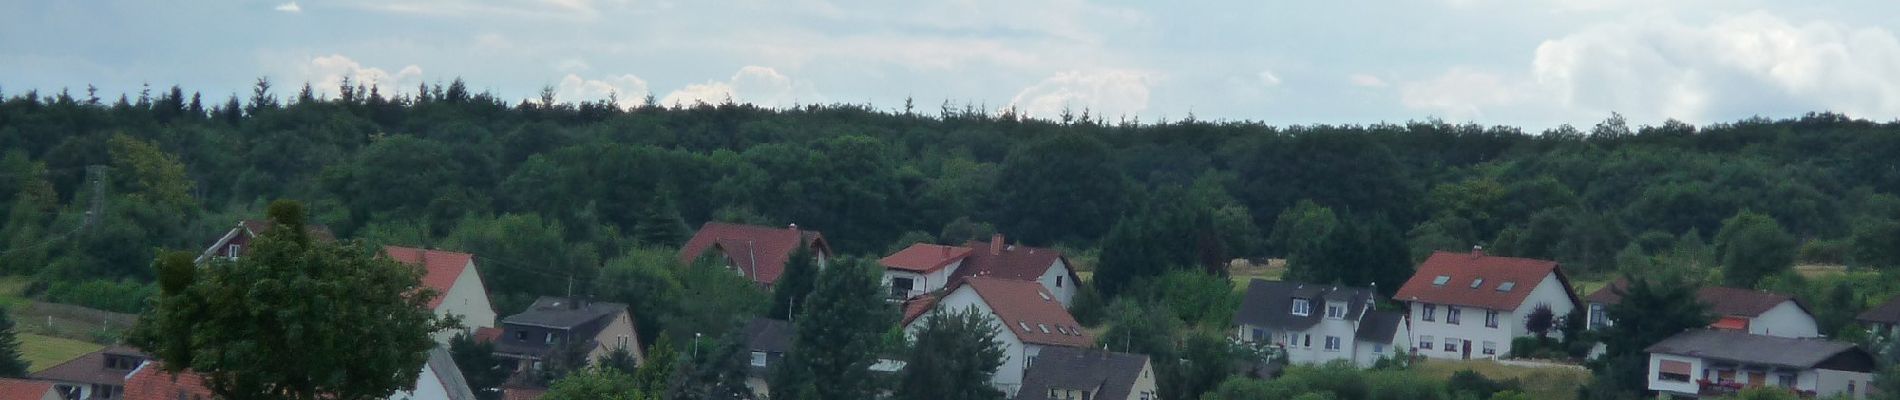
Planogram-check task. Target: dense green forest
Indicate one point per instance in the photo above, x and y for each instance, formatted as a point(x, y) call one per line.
point(545, 189)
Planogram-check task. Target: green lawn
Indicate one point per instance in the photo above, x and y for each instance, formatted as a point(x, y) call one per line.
point(42, 352)
point(1554, 383)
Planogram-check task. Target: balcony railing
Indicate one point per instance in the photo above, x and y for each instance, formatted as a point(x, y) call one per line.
point(1707, 387)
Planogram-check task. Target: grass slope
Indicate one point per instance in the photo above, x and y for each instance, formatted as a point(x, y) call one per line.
point(42, 352)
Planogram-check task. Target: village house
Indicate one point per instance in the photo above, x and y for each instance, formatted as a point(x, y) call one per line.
point(439, 379)
point(1068, 373)
point(1883, 318)
point(1712, 363)
point(1470, 305)
point(237, 241)
point(557, 332)
point(1028, 317)
point(1319, 323)
point(1756, 312)
point(22, 389)
point(755, 252)
point(457, 283)
point(926, 268)
point(151, 382)
point(97, 375)
point(767, 340)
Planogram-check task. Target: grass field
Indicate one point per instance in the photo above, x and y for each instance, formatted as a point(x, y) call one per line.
point(42, 352)
point(1554, 383)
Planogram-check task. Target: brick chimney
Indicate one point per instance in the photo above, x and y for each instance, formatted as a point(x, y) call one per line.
point(996, 244)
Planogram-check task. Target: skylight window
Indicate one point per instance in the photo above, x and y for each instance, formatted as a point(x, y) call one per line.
point(1045, 327)
point(1441, 280)
point(1507, 286)
point(1476, 282)
point(1025, 325)
point(1045, 295)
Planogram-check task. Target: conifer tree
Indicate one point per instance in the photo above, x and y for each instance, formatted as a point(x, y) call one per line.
point(837, 336)
point(794, 285)
point(11, 366)
point(955, 356)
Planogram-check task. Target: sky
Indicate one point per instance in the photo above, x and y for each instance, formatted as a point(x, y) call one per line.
point(1529, 63)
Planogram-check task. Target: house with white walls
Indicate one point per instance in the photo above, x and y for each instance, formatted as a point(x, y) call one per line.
point(1027, 315)
point(1470, 305)
point(457, 284)
point(1316, 324)
point(1753, 311)
point(1718, 363)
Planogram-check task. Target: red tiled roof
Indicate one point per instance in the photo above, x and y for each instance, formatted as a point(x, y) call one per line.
point(925, 257)
point(1031, 312)
point(440, 268)
point(518, 393)
point(1017, 262)
point(21, 389)
point(1723, 301)
point(917, 306)
point(487, 335)
point(758, 251)
point(1461, 269)
point(151, 382)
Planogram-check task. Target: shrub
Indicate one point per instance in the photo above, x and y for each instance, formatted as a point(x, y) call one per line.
point(121, 296)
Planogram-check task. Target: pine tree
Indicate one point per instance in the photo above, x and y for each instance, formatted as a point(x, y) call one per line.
point(717, 372)
point(794, 285)
point(656, 374)
point(837, 336)
point(11, 366)
point(1650, 312)
point(483, 371)
point(659, 224)
point(955, 356)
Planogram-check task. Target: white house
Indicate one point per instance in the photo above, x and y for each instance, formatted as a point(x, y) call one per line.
point(1470, 305)
point(1883, 318)
point(458, 286)
point(440, 380)
point(1756, 312)
point(1715, 363)
point(1077, 373)
point(759, 253)
point(922, 268)
point(1027, 315)
point(1319, 323)
point(926, 268)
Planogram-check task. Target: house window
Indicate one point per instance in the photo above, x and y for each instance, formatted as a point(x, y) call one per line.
point(1335, 311)
point(550, 338)
point(1425, 342)
point(1451, 314)
point(1301, 307)
point(1491, 318)
point(1058, 281)
point(1441, 280)
point(1785, 380)
point(623, 341)
point(1259, 335)
point(758, 359)
point(1332, 343)
point(900, 287)
point(1378, 348)
point(1307, 340)
point(1490, 348)
point(1431, 311)
point(1673, 371)
point(1850, 388)
point(1475, 283)
point(1507, 286)
point(1598, 317)
point(1451, 345)
point(232, 251)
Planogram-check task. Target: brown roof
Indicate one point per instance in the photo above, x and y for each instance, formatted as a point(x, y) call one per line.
point(487, 335)
point(1490, 273)
point(317, 231)
point(521, 393)
point(1888, 312)
point(90, 368)
point(440, 268)
point(21, 389)
point(758, 251)
point(917, 306)
point(1030, 311)
point(925, 257)
point(151, 382)
point(1007, 261)
point(1721, 300)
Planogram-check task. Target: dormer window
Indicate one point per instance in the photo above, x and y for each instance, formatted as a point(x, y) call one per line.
point(1335, 310)
point(1441, 280)
point(232, 251)
point(1476, 282)
point(1301, 307)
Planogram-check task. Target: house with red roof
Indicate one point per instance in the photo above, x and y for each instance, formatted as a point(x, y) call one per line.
point(151, 382)
point(237, 241)
point(1470, 305)
point(756, 252)
point(1027, 315)
point(1752, 311)
point(927, 268)
point(456, 282)
point(21, 389)
point(97, 375)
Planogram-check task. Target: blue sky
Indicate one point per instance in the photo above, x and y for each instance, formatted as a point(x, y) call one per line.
point(1533, 63)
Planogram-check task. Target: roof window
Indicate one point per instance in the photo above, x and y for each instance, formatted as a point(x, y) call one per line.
point(1441, 280)
point(1476, 282)
point(1025, 325)
point(1507, 286)
point(1045, 327)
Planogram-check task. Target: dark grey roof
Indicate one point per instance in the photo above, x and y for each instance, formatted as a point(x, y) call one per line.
point(449, 374)
point(1888, 312)
point(768, 335)
point(1112, 375)
point(1379, 326)
point(1741, 347)
point(558, 313)
point(1270, 303)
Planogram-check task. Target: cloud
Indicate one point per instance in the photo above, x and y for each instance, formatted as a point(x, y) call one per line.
point(565, 9)
point(326, 73)
point(290, 7)
point(1108, 93)
point(753, 84)
point(626, 90)
point(1464, 94)
point(1268, 78)
point(1365, 80)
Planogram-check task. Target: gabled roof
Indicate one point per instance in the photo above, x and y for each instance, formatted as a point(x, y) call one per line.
point(916, 307)
point(151, 382)
point(1741, 347)
point(768, 335)
point(253, 227)
point(1270, 303)
point(1110, 375)
point(925, 257)
point(760, 252)
point(1030, 311)
point(1888, 312)
point(487, 334)
point(440, 268)
point(560, 313)
point(90, 368)
point(1007, 261)
point(1379, 326)
point(450, 375)
point(1458, 272)
point(21, 389)
point(1722, 301)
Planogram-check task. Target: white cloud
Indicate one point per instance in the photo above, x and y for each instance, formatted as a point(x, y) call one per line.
point(1109, 93)
point(564, 9)
point(753, 84)
point(1268, 78)
point(1464, 94)
point(1365, 80)
point(626, 90)
point(290, 7)
point(326, 73)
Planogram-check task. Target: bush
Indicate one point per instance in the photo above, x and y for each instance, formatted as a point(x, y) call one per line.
point(121, 296)
point(1825, 251)
point(1530, 347)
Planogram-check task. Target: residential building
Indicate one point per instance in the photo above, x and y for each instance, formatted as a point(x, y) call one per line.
point(926, 268)
point(1319, 323)
point(151, 382)
point(922, 268)
point(1069, 373)
point(755, 252)
point(22, 389)
point(237, 241)
point(99, 375)
point(457, 283)
point(1756, 312)
point(1470, 305)
point(1028, 315)
point(1712, 363)
point(440, 380)
point(560, 332)
point(767, 340)
point(1883, 318)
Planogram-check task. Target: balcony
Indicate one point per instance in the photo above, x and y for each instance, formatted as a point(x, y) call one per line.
point(1708, 388)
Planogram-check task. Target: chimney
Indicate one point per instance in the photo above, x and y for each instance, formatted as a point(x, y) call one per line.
point(1477, 250)
point(996, 244)
point(794, 226)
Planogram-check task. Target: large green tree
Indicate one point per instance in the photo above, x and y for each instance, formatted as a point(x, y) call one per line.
point(11, 365)
point(481, 368)
point(1060, 188)
point(795, 283)
point(597, 383)
point(837, 336)
point(955, 354)
point(1751, 247)
point(295, 318)
point(1651, 310)
point(1362, 253)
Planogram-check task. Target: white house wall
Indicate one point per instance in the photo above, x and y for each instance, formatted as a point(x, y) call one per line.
point(1831, 382)
point(469, 299)
point(609, 338)
point(1655, 366)
point(1059, 274)
point(428, 387)
point(1009, 376)
point(1785, 320)
point(923, 283)
point(1471, 322)
point(1144, 383)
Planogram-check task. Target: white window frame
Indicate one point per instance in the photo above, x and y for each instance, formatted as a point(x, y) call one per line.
point(1335, 311)
point(1332, 343)
point(1452, 314)
point(1490, 348)
point(1451, 345)
point(759, 359)
point(1430, 312)
point(1302, 307)
point(1425, 342)
point(1490, 318)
